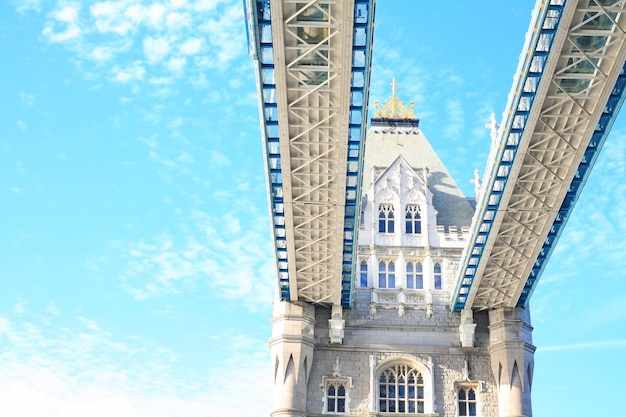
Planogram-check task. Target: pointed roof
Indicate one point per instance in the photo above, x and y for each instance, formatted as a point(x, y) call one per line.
point(385, 142)
point(394, 112)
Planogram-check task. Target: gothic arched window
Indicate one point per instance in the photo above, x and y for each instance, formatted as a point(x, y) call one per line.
point(386, 274)
point(401, 389)
point(336, 398)
point(467, 401)
point(413, 220)
point(414, 275)
point(363, 274)
point(437, 276)
point(385, 218)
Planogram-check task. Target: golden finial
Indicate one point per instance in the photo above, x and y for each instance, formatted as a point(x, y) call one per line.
point(394, 108)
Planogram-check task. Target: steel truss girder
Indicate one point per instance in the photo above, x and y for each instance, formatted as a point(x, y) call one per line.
point(577, 79)
point(316, 51)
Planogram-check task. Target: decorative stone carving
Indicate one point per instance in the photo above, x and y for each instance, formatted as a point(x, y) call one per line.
point(467, 328)
point(336, 325)
point(373, 313)
point(337, 368)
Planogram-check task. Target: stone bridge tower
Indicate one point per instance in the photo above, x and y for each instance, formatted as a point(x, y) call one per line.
point(400, 349)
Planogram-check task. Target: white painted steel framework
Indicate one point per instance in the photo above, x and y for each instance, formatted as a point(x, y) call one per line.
point(567, 80)
point(313, 62)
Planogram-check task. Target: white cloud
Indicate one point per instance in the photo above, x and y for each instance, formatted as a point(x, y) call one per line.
point(160, 81)
point(191, 46)
point(219, 159)
point(26, 5)
point(109, 17)
point(4, 325)
point(67, 14)
point(116, 35)
point(214, 254)
point(155, 49)
point(125, 75)
point(78, 368)
point(71, 32)
point(176, 65)
point(176, 20)
point(103, 53)
point(175, 123)
point(456, 120)
point(156, 14)
point(601, 344)
point(27, 98)
point(177, 4)
point(67, 18)
point(21, 125)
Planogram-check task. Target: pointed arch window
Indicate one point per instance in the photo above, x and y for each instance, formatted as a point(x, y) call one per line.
point(401, 389)
point(336, 393)
point(386, 274)
point(336, 398)
point(437, 276)
point(413, 219)
point(414, 275)
point(386, 218)
point(363, 274)
point(466, 401)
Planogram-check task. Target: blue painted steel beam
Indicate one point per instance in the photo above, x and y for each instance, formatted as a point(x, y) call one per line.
point(362, 41)
point(601, 132)
point(260, 44)
point(521, 100)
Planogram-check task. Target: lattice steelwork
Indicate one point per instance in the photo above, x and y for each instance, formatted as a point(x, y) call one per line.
point(567, 91)
point(313, 64)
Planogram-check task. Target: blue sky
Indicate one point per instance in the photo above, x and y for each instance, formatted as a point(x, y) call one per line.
point(136, 275)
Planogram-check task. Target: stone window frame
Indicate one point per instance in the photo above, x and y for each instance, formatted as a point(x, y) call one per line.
point(413, 219)
point(438, 275)
point(346, 382)
point(386, 218)
point(466, 386)
point(414, 274)
point(423, 369)
point(387, 272)
point(363, 273)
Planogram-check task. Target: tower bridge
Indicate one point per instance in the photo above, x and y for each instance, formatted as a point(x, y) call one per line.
point(384, 268)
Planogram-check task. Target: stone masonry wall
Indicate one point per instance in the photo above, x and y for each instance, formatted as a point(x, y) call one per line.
point(431, 341)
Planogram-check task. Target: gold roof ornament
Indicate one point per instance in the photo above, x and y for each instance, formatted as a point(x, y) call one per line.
point(394, 108)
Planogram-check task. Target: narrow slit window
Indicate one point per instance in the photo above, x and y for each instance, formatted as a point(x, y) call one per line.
point(437, 276)
point(363, 274)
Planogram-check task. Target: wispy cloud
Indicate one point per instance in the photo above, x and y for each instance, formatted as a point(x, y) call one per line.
point(597, 222)
point(456, 120)
point(215, 253)
point(598, 345)
point(27, 5)
point(148, 40)
point(77, 367)
point(27, 98)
